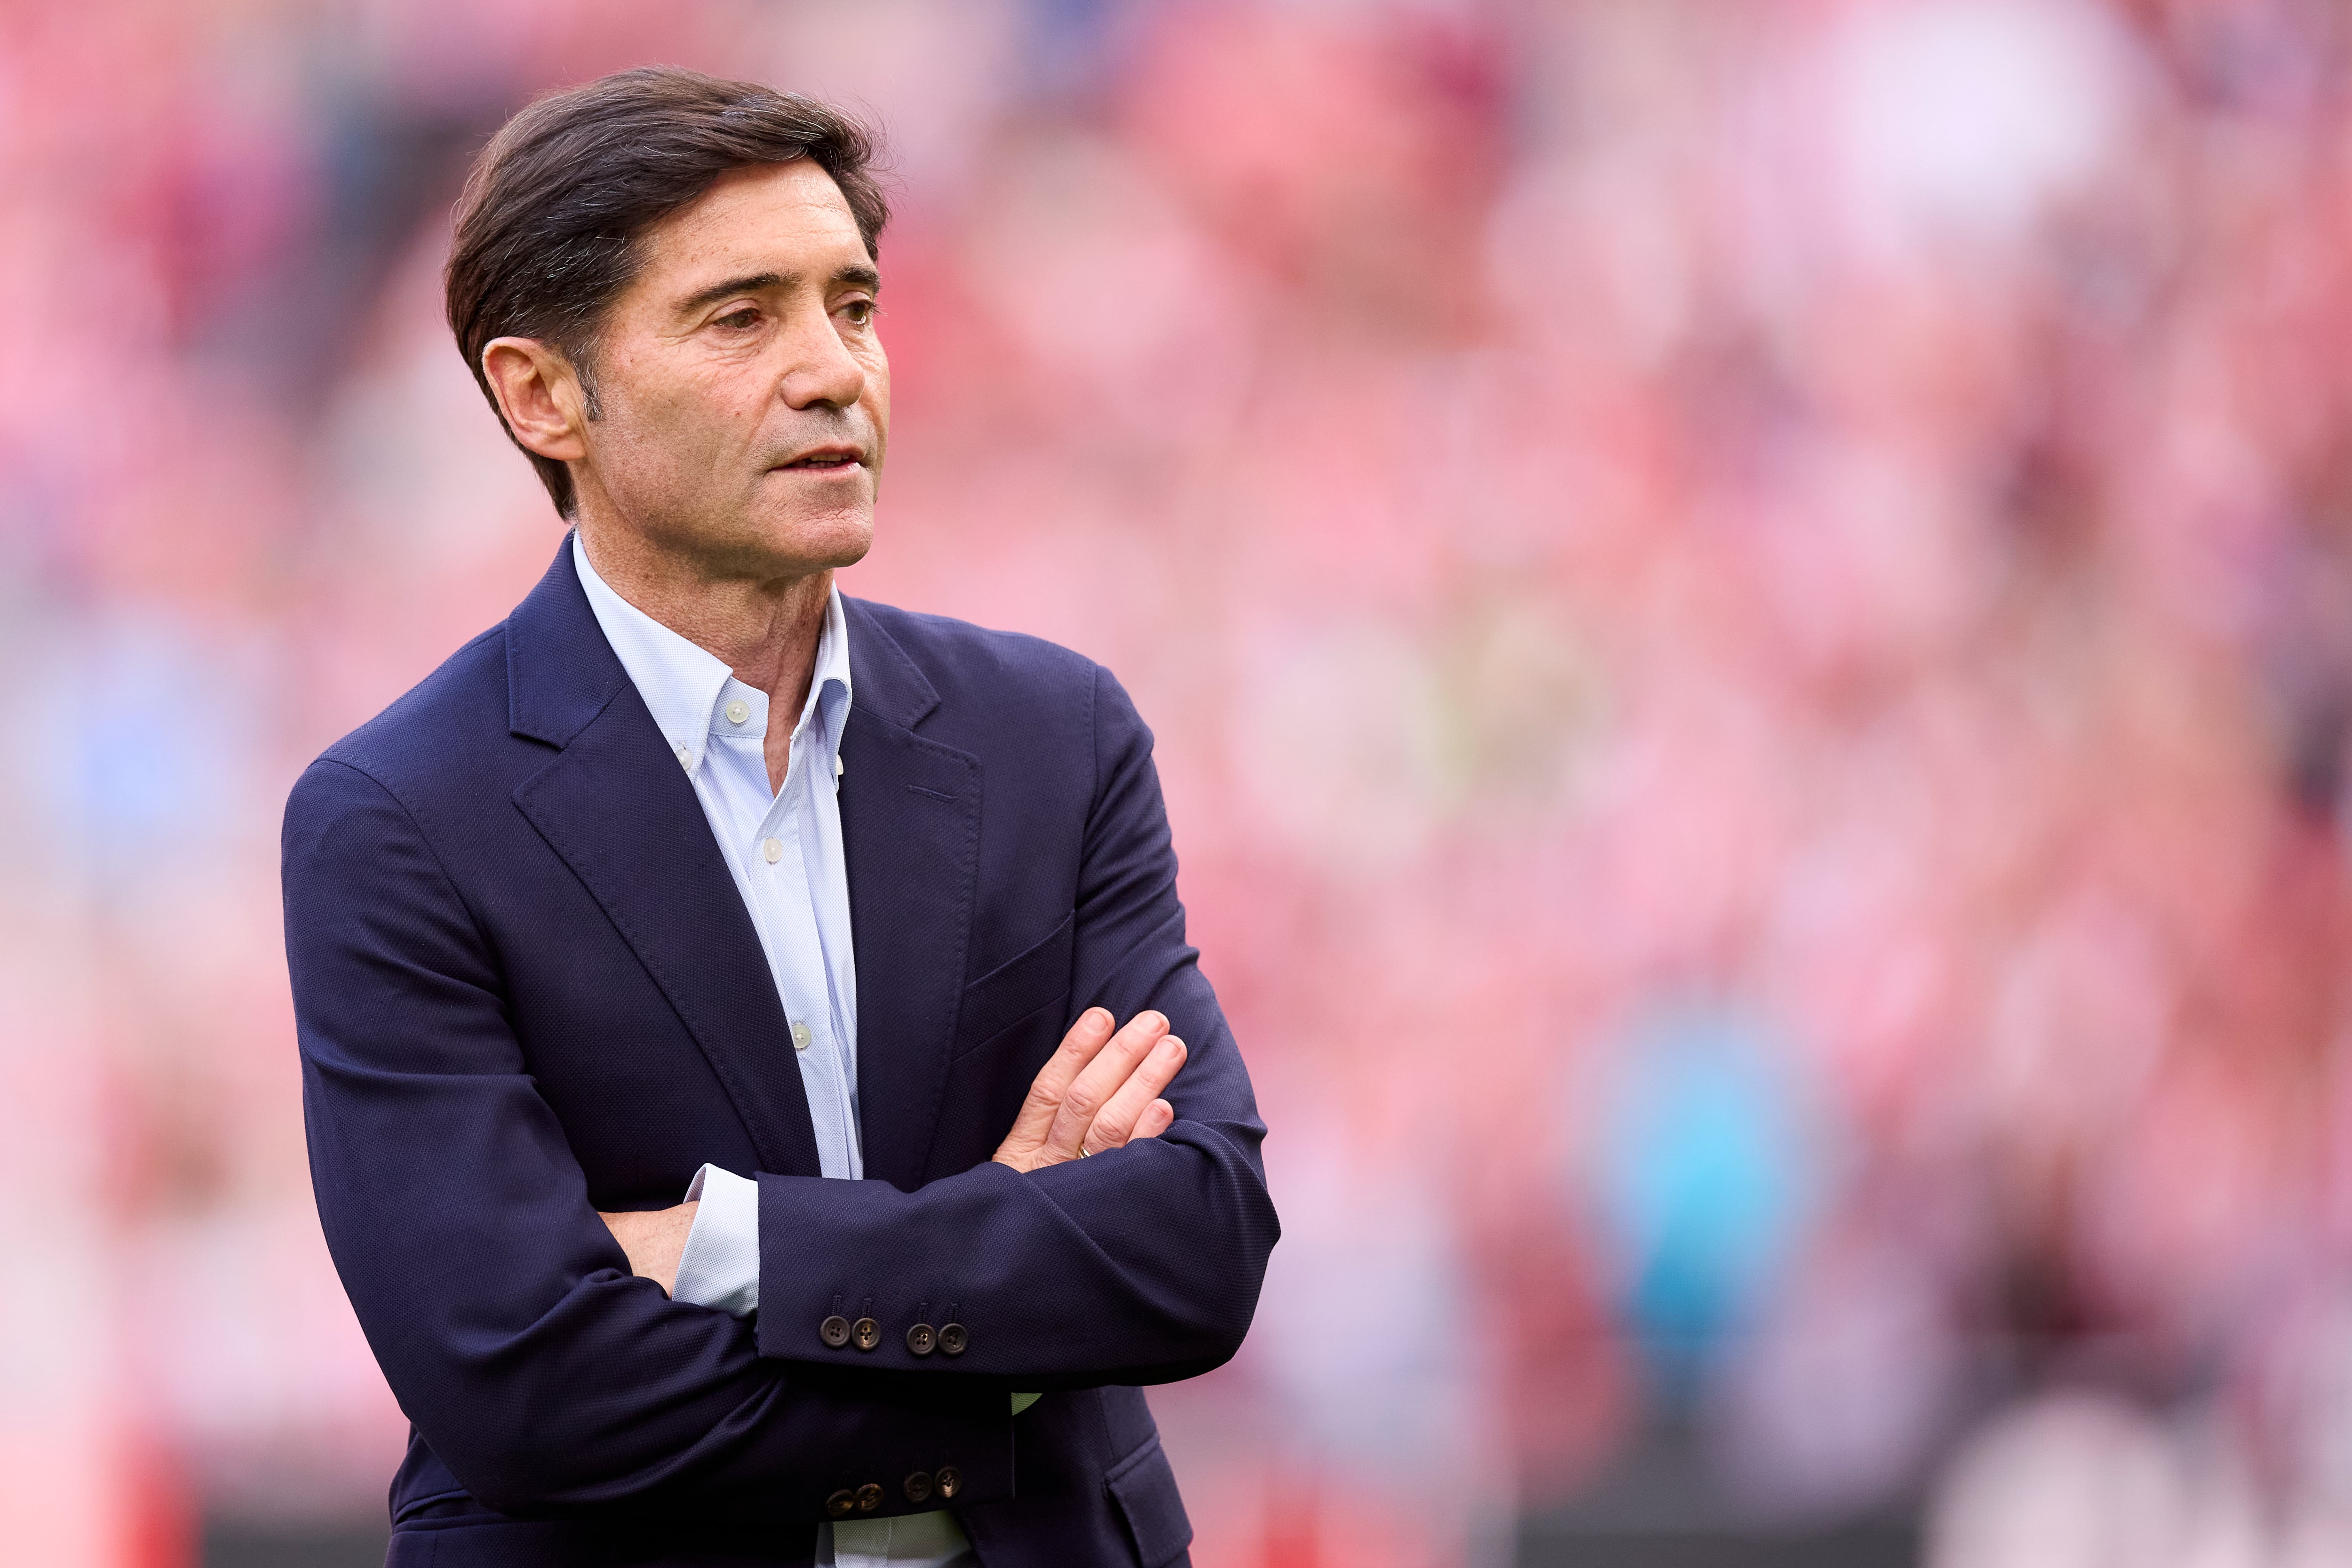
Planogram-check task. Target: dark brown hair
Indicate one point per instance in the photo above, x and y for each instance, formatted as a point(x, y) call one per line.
point(546, 229)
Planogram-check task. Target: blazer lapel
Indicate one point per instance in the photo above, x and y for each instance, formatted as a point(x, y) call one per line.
point(616, 806)
point(911, 834)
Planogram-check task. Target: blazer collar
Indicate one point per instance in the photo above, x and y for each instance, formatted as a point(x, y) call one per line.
point(889, 684)
point(561, 672)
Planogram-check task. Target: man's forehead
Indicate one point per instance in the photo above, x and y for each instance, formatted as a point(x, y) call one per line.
point(771, 217)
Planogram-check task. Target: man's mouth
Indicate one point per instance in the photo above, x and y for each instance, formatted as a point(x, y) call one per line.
point(825, 460)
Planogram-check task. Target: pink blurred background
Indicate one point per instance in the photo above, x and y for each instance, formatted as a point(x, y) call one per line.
point(1749, 611)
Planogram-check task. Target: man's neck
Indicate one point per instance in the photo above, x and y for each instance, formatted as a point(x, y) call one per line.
point(766, 629)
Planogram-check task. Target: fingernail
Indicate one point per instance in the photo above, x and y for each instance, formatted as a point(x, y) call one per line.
point(1097, 1018)
point(1171, 1046)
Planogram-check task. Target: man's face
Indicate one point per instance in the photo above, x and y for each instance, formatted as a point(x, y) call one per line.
point(745, 395)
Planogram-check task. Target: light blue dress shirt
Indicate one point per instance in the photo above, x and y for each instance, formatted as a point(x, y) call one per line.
point(783, 848)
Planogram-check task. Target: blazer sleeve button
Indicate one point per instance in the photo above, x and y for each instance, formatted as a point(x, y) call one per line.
point(834, 1330)
point(922, 1338)
point(841, 1504)
point(919, 1486)
point(950, 1480)
point(867, 1332)
point(954, 1338)
point(869, 1497)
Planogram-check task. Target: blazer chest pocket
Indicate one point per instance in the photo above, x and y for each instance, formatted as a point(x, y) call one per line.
point(1033, 980)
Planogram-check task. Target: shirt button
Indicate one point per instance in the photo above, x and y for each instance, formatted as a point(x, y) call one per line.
point(737, 710)
point(685, 758)
point(774, 849)
point(800, 1036)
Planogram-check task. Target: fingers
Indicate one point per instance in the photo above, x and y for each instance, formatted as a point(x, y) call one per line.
point(1086, 1040)
point(1123, 1113)
point(1099, 1090)
point(1100, 1079)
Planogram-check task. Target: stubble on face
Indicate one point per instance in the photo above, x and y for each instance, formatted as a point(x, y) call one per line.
point(744, 392)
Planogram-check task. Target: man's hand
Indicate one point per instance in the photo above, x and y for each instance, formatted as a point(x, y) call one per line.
point(1099, 1090)
point(655, 1241)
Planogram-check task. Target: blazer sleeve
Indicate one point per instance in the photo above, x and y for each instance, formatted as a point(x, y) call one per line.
point(544, 1375)
point(1138, 1265)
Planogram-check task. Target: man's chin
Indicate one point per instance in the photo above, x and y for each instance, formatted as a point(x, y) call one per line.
point(802, 543)
point(766, 541)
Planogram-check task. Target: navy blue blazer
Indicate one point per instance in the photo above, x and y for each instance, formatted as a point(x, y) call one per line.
point(527, 989)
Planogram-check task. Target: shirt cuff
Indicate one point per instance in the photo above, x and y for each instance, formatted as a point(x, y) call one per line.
point(721, 1265)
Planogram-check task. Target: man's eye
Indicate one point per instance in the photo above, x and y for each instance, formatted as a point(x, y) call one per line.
point(740, 320)
point(861, 312)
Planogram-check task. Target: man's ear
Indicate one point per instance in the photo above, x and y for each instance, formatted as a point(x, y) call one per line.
point(541, 395)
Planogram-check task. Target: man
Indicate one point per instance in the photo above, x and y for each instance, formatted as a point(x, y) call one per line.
point(629, 941)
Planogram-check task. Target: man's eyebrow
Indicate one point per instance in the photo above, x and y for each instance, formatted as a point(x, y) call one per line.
point(751, 284)
point(856, 274)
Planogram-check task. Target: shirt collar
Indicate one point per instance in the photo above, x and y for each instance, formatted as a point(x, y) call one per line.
point(687, 688)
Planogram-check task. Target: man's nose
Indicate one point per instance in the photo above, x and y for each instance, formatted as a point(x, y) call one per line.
point(819, 367)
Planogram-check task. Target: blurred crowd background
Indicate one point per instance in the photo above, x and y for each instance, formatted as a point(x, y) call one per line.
point(1747, 605)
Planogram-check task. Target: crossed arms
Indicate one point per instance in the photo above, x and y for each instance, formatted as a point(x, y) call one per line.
point(1098, 1091)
